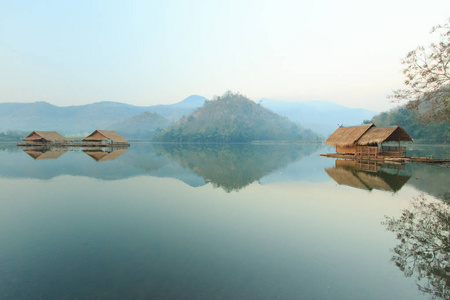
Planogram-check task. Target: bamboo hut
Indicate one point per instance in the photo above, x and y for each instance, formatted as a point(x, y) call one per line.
point(367, 141)
point(371, 142)
point(105, 137)
point(44, 138)
point(345, 138)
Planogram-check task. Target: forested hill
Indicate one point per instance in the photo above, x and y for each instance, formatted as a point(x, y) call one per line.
point(420, 132)
point(234, 118)
point(142, 126)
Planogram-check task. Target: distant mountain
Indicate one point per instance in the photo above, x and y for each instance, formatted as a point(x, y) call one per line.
point(174, 112)
point(142, 126)
point(321, 116)
point(72, 120)
point(234, 118)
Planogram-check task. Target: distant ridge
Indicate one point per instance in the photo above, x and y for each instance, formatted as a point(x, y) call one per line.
point(322, 116)
point(81, 119)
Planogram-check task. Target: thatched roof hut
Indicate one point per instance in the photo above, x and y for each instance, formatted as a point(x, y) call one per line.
point(367, 140)
point(378, 135)
point(367, 135)
point(104, 155)
point(102, 135)
point(347, 136)
point(45, 137)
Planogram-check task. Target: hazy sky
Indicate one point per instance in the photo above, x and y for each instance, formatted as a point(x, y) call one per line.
point(160, 52)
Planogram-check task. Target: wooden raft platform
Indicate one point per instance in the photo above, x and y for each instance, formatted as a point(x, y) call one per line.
point(74, 144)
point(390, 159)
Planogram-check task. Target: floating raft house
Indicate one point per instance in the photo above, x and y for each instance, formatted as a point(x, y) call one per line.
point(102, 137)
point(52, 139)
point(367, 141)
point(45, 138)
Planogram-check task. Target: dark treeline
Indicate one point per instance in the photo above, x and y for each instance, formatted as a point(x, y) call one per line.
point(421, 132)
point(11, 136)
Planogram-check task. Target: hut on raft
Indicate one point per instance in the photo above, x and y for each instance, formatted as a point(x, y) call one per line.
point(44, 138)
point(105, 138)
point(367, 141)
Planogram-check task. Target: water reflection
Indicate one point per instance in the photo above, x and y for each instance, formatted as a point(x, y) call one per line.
point(39, 153)
point(368, 175)
point(230, 167)
point(233, 167)
point(424, 248)
point(104, 155)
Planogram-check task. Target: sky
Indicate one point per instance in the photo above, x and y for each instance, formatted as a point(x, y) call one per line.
point(160, 52)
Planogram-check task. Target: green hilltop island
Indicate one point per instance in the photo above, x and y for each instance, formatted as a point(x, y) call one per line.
point(233, 118)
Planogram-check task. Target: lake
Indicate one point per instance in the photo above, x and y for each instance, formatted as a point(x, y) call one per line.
point(163, 221)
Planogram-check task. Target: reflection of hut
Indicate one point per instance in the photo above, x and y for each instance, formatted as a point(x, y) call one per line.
point(39, 154)
point(367, 141)
point(346, 174)
point(104, 155)
point(45, 138)
point(105, 137)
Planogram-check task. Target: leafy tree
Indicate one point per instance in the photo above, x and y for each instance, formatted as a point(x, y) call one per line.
point(424, 249)
point(427, 77)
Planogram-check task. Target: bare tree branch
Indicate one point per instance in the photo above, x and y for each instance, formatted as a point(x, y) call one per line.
point(427, 78)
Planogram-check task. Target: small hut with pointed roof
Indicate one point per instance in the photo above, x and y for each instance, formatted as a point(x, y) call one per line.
point(108, 137)
point(45, 138)
point(367, 141)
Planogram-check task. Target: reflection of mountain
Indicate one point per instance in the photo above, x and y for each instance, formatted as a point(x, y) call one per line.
point(229, 166)
point(44, 153)
point(366, 175)
point(100, 155)
point(233, 167)
point(139, 160)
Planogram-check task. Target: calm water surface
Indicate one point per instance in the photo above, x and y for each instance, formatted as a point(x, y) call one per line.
point(208, 222)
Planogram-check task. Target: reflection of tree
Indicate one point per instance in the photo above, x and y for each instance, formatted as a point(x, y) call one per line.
point(233, 167)
point(433, 180)
point(424, 249)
